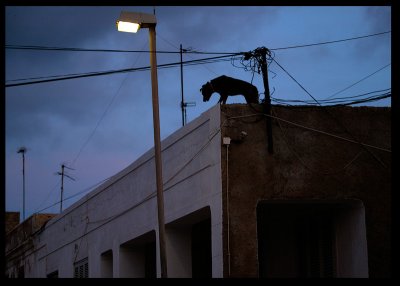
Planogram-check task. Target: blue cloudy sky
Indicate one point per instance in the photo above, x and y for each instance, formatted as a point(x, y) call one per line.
point(99, 125)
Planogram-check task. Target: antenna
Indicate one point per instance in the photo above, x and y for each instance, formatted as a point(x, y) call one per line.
point(23, 150)
point(62, 174)
point(188, 104)
point(183, 103)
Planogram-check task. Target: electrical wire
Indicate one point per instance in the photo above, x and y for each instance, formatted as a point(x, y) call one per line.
point(47, 197)
point(312, 129)
point(92, 133)
point(340, 101)
point(92, 74)
point(112, 71)
point(195, 52)
point(69, 49)
point(148, 197)
point(153, 194)
point(105, 111)
point(346, 88)
point(326, 173)
point(334, 118)
point(74, 195)
point(331, 42)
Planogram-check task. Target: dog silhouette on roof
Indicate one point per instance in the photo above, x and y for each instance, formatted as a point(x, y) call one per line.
point(227, 86)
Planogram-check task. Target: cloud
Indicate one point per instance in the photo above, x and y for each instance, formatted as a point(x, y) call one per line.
point(378, 18)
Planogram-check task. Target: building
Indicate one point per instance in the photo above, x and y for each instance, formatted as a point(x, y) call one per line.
point(319, 205)
point(12, 220)
point(20, 245)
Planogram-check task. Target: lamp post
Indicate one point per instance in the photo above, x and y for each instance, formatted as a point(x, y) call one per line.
point(132, 22)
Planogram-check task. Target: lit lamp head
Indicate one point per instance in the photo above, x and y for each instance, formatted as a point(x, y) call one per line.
point(131, 22)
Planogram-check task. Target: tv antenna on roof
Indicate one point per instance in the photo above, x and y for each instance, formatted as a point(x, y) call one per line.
point(62, 174)
point(183, 103)
point(23, 150)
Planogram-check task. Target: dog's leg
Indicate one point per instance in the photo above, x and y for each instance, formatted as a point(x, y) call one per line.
point(224, 98)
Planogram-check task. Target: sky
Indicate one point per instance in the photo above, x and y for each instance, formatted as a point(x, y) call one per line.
point(99, 125)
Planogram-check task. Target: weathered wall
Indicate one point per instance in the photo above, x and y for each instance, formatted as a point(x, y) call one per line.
point(12, 220)
point(125, 207)
point(19, 243)
point(307, 165)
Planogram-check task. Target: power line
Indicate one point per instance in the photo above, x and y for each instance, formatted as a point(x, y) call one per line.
point(338, 102)
point(144, 68)
point(77, 194)
point(346, 88)
point(92, 74)
point(376, 98)
point(69, 49)
point(188, 63)
point(104, 113)
point(336, 99)
point(299, 84)
point(333, 117)
point(330, 42)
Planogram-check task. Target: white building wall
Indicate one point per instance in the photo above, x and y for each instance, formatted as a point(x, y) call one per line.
point(125, 206)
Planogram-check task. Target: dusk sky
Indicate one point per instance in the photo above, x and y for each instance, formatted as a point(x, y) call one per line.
point(100, 125)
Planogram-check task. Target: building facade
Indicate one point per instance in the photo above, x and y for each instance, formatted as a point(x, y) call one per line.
point(318, 205)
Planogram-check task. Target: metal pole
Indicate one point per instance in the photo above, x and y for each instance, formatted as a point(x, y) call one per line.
point(23, 151)
point(264, 69)
point(23, 186)
point(157, 149)
point(62, 186)
point(182, 101)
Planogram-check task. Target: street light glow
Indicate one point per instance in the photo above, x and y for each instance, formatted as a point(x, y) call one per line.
point(127, 27)
point(132, 21)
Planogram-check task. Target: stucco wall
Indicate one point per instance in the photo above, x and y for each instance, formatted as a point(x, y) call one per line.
point(306, 165)
point(124, 207)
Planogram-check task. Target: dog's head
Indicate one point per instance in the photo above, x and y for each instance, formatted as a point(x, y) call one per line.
point(206, 90)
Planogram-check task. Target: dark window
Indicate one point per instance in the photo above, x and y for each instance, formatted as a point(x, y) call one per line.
point(201, 249)
point(81, 269)
point(295, 240)
point(150, 260)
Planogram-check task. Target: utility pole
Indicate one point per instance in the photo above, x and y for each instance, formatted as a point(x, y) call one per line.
point(62, 174)
point(23, 151)
point(261, 54)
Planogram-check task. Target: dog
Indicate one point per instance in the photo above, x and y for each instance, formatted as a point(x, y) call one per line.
point(226, 86)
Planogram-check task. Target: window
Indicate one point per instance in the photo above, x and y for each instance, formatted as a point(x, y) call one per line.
point(137, 257)
point(106, 264)
point(81, 269)
point(312, 239)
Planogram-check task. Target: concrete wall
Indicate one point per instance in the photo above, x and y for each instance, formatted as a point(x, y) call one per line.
point(313, 166)
point(20, 246)
point(124, 207)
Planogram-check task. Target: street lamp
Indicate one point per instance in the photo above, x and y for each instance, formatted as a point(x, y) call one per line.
point(131, 22)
